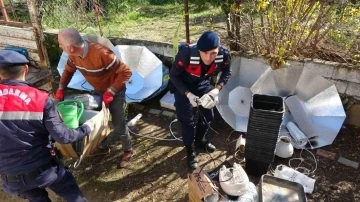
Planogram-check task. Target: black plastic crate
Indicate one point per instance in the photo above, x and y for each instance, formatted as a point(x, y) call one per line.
point(256, 168)
point(265, 118)
point(268, 103)
point(265, 113)
point(268, 144)
point(264, 155)
point(254, 119)
point(263, 128)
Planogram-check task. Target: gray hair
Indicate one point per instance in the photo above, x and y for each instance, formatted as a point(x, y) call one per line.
point(71, 37)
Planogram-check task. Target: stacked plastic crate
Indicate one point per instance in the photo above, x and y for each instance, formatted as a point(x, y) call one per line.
point(266, 115)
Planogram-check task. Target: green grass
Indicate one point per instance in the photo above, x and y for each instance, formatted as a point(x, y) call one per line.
point(119, 19)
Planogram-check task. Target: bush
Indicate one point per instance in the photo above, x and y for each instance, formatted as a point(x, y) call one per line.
point(289, 28)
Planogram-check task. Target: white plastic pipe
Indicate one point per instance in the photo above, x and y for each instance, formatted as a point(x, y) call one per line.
point(297, 134)
point(134, 120)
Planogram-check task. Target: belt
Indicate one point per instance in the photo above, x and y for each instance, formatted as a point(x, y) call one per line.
point(27, 176)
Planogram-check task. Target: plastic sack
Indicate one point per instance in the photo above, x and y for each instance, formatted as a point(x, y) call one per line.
point(234, 183)
point(92, 102)
point(290, 174)
point(251, 195)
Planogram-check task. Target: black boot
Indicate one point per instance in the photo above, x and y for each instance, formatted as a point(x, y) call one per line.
point(204, 146)
point(190, 158)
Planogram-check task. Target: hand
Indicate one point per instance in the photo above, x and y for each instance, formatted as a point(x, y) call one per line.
point(214, 93)
point(108, 98)
point(90, 123)
point(60, 94)
point(193, 99)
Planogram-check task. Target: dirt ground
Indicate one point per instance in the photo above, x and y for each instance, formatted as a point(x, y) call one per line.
point(158, 171)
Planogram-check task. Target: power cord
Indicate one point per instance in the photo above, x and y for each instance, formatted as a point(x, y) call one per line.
point(149, 137)
point(305, 170)
point(171, 132)
point(82, 85)
point(228, 138)
point(202, 118)
point(238, 150)
point(300, 168)
point(174, 138)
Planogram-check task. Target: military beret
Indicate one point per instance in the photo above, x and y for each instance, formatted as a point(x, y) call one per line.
point(208, 41)
point(8, 57)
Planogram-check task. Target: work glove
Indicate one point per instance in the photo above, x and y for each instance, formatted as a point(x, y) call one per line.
point(214, 93)
point(60, 94)
point(107, 98)
point(91, 125)
point(193, 99)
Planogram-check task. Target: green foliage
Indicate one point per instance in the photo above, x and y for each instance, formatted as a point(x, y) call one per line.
point(60, 14)
point(17, 11)
point(196, 2)
point(176, 38)
point(283, 29)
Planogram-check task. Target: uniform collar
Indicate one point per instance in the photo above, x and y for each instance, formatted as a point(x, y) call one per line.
point(13, 82)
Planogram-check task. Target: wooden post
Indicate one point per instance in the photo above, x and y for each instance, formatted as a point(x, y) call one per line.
point(186, 11)
point(96, 8)
point(34, 18)
point(3, 10)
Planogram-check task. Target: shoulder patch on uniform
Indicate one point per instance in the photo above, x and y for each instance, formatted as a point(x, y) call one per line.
point(180, 63)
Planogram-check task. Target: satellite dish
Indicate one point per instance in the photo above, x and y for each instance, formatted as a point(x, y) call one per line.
point(149, 75)
point(311, 101)
point(235, 97)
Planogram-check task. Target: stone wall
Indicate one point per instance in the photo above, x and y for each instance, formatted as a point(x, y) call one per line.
point(345, 77)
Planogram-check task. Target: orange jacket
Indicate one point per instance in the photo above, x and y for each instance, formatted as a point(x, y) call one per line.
point(100, 67)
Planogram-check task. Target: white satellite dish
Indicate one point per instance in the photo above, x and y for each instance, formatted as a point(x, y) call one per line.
point(148, 74)
point(312, 102)
point(235, 97)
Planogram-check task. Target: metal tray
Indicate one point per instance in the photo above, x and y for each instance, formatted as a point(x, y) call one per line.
point(273, 189)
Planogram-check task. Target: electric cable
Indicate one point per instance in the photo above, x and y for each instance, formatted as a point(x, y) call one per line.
point(149, 137)
point(305, 170)
point(207, 152)
point(204, 119)
point(171, 132)
point(157, 138)
point(82, 85)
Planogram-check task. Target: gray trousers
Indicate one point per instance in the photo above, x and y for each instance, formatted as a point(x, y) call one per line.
point(117, 111)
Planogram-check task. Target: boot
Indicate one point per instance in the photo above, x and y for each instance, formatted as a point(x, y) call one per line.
point(190, 158)
point(204, 146)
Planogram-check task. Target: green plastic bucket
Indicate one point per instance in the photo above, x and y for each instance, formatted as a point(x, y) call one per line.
point(71, 111)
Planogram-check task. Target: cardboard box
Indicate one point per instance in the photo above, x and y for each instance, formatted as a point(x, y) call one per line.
point(100, 131)
point(199, 185)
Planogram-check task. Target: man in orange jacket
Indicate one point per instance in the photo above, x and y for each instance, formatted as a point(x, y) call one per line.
point(106, 73)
